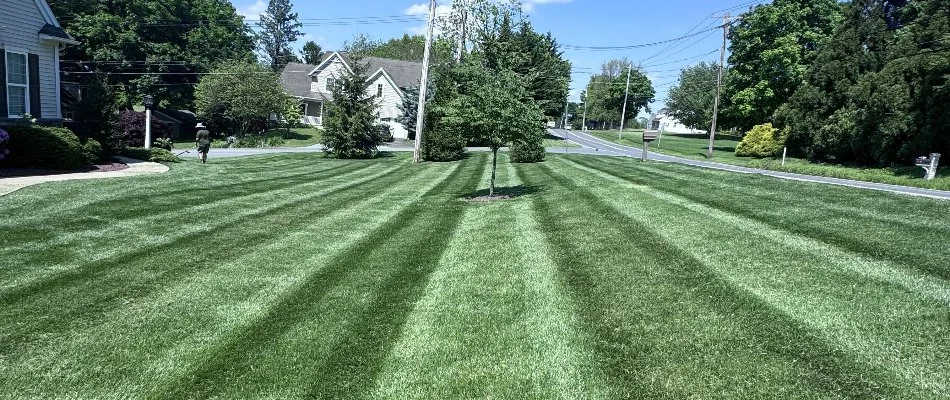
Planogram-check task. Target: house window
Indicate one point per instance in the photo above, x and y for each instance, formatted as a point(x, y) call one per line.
point(18, 101)
point(379, 90)
point(331, 84)
point(313, 84)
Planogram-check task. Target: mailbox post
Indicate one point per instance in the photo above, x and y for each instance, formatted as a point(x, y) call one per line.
point(929, 164)
point(648, 136)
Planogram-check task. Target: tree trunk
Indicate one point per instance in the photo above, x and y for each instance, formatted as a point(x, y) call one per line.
point(494, 165)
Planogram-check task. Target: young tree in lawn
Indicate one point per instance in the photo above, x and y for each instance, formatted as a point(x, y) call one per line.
point(240, 94)
point(279, 29)
point(495, 108)
point(349, 127)
point(312, 53)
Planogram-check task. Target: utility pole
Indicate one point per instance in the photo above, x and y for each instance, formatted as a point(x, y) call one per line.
point(424, 86)
point(626, 94)
point(722, 61)
point(567, 105)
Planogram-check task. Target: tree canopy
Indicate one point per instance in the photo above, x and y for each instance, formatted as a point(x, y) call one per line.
point(349, 128)
point(312, 53)
point(157, 45)
point(279, 29)
point(691, 99)
point(605, 92)
point(240, 97)
point(771, 48)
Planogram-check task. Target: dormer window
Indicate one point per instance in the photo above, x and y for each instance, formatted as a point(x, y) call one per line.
point(313, 84)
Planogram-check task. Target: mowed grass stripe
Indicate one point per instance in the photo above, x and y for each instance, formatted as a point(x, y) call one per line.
point(33, 202)
point(95, 233)
point(334, 329)
point(667, 327)
point(170, 232)
point(799, 247)
point(798, 207)
point(222, 298)
point(878, 325)
point(493, 322)
point(99, 286)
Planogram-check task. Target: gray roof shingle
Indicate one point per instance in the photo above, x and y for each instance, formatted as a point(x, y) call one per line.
point(296, 76)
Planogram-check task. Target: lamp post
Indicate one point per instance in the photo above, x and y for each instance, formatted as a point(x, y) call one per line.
point(149, 102)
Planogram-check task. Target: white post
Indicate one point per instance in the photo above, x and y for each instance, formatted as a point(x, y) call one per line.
point(584, 128)
point(424, 86)
point(784, 152)
point(148, 128)
point(623, 114)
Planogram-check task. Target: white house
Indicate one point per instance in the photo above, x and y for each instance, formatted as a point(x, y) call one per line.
point(30, 40)
point(663, 122)
point(313, 85)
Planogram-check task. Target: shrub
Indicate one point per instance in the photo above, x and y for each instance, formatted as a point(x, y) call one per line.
point(92, 150)
point(153, 154)
point(130, 131)
point(442, 145)
point(762, 141)
point(528, 150)
point(164, 143)
point(4, 140)
point(44, 147)
point(250, 141)
point(275, 141)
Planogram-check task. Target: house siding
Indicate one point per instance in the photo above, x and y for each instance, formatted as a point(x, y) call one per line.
point(388, 104)
point(334, 69)
point(22, 22)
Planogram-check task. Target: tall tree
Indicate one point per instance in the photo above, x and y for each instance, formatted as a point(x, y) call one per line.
point(878, 92)
point(279, 29)
point(606, 92)
point(691, 99)
point(151, 47)
point(771, 47)
point(349, 129)
point(312, 53)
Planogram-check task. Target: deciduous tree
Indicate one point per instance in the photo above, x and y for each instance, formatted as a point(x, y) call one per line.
point(240, 96)
point(691, 99)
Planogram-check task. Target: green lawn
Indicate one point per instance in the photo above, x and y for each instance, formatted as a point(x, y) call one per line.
point(292, 276)
point(296, 137)
point(696, 146)
point(551, 141)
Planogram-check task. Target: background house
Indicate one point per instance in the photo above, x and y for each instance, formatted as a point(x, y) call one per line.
point(663, 122)
point(313, 85)
point(30, 40)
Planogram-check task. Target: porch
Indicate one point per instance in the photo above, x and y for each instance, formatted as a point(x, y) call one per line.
point(311, 112)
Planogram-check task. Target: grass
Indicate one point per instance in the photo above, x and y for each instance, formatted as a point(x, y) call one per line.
point(556, 141)
point(696, 146)
point(297, 137)
point(296, 276)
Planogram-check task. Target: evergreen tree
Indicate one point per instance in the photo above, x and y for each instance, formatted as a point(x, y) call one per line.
point(279, 29)
point(409, 108)
point(312, 53)
point(349, 126)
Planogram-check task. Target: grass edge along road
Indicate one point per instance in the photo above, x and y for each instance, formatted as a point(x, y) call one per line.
point(695, 146)
point(604, 278)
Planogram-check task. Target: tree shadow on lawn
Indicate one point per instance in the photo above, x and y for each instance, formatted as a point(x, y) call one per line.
point(506, 192)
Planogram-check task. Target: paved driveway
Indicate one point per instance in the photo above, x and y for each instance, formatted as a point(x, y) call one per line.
point(592, 142)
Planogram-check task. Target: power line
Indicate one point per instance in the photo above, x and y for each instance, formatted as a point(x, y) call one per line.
point(633, 46)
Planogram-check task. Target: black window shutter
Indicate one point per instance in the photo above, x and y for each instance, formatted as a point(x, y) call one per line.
point(3, 83)
point(34, 68)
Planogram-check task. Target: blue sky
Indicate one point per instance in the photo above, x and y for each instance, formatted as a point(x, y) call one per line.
point(581, 23)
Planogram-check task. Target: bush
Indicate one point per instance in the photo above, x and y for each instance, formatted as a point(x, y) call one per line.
point(92, 150)
point(386, 133)
point(530, 150)
point(275, 141)
point(130, 131)
point(442, 145)
point(44, 147)
point(153, 154)
point(4, 141)
point(762, 141)
point(164, 143)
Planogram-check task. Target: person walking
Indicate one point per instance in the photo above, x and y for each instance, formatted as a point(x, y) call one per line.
point(203, 142)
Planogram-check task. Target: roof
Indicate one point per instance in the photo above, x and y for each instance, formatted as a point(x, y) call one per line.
point(296, 81)
point(296, 76)
point(57, 33)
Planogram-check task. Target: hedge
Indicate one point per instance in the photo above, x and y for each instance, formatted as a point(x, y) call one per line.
point(44, 147)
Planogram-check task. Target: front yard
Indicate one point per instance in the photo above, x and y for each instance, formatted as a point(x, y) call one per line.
point(296, 137)
point(296, 276)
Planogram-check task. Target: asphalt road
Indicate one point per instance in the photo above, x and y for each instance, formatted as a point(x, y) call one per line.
point(603, 146)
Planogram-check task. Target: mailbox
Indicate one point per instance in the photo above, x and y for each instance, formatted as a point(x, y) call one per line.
point(649, 136)
point(929, 164)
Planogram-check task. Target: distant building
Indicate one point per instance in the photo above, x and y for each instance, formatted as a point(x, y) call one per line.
point(388, 79)
point(665, 123)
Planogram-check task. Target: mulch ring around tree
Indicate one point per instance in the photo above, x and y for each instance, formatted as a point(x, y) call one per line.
point(22, 172)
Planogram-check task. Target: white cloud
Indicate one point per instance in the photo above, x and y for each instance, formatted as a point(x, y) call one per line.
point(423, 9)
point(253, 11)
point(529, 5)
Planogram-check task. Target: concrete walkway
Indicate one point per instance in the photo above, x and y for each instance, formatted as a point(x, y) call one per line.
point(609, 148)
point(136, 167)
